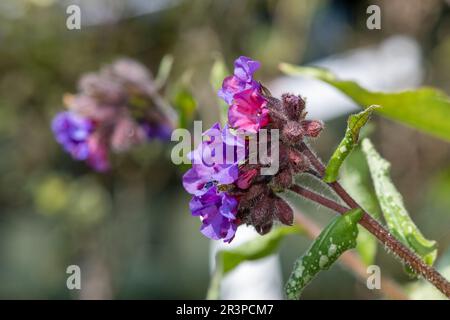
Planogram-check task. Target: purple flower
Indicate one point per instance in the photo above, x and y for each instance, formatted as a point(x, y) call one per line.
point(248, 112)
point(215, 161)
point(217, 211)
point(76, 135)
point(244, 68)
point(158, 131)
point(72, 132)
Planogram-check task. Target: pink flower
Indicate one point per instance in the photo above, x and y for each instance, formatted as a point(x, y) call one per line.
point(248, 112)
point(244, 68)
point(98, 153)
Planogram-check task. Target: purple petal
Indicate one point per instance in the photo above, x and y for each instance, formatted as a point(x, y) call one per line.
point(244, 68)
point(218, 213)
point(72, 132)
point(195, 179)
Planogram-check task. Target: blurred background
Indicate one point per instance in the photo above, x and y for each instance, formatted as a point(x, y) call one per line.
point(130, 230)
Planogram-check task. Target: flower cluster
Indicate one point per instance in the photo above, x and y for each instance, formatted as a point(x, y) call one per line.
point(215, 163)
point(232, 192)
point(114, 110)
point(247, 112)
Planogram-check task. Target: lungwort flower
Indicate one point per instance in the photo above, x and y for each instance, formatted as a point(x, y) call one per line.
point(217, 211)
point(115, 109)
point(244, 68)
point(248, 112)
point(215, 163)
point(77, 137)
point(227, 194)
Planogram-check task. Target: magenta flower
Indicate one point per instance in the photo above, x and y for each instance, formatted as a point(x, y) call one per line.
point(217, 211)
point(98, 156)
point(244, 68)
point(248, 112)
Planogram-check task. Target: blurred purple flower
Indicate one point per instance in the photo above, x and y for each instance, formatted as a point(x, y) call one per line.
point(119, 100)
point(76, 135)
point(217, 211)
point(244, 68)
point(72, 132)
point(158, 131)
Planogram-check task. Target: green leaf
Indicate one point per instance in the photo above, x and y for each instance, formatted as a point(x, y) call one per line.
point(426, 108)
point(355, 178)
point(183, 100)
point(186, 105)
point(260, 247)
point(391, 202)
point(366, 246)
point(218, 72)
point(339, 236)
point(165, 66)
point(354, 124)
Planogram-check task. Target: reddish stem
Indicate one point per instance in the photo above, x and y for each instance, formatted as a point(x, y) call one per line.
point(333, 205)
point(374, 227)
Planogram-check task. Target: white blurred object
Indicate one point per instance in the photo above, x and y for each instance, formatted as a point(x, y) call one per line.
point(393, 65)
point(100, 12)
point(258, 280)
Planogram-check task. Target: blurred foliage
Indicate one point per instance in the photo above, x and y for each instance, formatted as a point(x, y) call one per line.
point(184, 101)
point(219, 72)
point(425, 109)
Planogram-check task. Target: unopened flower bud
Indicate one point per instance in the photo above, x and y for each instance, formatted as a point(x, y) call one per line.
point(283, 211)
point(264, 228)
point(312, 128)
point(294, 106)
point(246, 178)
point(282, 181)
point(251, 195)
point(292, 133)
point(261, 215)
point(298, 161)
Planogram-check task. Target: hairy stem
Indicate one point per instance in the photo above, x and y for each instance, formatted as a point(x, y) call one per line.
point(331, 204)
point(351, 260)
point(374, 227)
